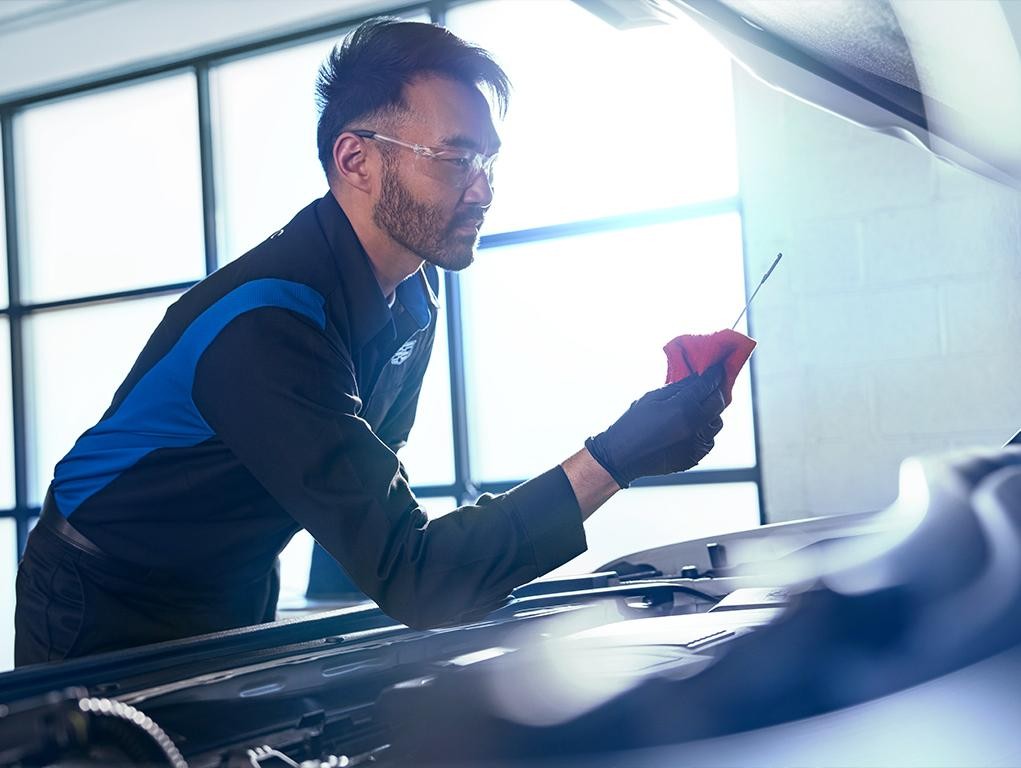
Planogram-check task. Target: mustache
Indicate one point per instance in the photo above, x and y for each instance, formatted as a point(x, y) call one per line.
point(468, 215)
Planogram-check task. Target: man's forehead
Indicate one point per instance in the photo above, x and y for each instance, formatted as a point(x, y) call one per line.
point(450, 113)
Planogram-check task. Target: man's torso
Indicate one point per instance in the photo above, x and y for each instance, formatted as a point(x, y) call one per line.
point(154, 484)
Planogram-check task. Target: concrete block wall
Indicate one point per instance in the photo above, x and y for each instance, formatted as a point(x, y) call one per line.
point(893, 326)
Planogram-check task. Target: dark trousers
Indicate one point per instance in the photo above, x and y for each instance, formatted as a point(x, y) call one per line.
point(73, 603)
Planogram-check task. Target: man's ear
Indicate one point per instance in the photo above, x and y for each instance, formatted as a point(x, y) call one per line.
point(350, 162)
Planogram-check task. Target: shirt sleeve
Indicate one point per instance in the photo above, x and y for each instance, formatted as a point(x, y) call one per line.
point(280, 395)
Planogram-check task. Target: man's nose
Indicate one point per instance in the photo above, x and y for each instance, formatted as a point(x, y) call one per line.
point(480, 191)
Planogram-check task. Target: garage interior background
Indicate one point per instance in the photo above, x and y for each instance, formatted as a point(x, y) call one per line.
point(199, 142)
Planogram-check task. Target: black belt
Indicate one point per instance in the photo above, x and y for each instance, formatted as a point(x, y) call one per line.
point(57, 524)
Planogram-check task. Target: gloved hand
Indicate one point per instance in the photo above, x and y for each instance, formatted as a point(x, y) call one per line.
point(667, 430)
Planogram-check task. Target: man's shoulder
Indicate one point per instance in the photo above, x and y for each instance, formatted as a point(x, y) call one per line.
point(297, 252)
point(301, 232)
point(292, 260)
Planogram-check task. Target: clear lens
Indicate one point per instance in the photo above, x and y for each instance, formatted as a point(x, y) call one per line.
point(457, 170)
point(488, 166)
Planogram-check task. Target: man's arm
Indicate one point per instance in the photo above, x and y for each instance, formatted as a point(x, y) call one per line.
point(592, 484)
point(278, 392)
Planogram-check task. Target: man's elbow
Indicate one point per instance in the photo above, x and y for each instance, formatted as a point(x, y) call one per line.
point(424, 611)
point(419, 611)
point(412, 616)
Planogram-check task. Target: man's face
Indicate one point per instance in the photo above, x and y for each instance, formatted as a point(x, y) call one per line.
point(434, 219)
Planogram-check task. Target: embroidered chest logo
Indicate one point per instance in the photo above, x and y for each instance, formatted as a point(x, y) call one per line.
point(404, 352)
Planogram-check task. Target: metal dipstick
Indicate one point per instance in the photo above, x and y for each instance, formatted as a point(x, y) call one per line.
point(763, 280)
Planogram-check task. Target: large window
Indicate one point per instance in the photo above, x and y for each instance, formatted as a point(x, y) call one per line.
point(265, 148)
point(108, 217)
point(616, 227)
point(110, 201)
point(589, 135)
point(7, 499)
point(646, 518)
point(562, 334)
point(4, 300)
point(9, 544)
point(109, 191)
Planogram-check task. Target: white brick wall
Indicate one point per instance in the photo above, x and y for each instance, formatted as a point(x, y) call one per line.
point(893, 325)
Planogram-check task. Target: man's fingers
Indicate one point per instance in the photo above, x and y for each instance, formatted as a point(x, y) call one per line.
point(712, 406)
point(713, 377)
point(695, 385)
point(710, 430)
point(704, 438)
point(699, 451)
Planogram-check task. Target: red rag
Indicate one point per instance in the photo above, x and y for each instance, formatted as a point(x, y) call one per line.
point(694, 353)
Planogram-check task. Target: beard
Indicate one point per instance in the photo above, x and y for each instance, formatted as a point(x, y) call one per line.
point(428, 231)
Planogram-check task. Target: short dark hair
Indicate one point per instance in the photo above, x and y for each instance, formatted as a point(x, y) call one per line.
point(366, 74)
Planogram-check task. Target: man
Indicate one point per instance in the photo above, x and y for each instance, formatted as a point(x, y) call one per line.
point(275, 393)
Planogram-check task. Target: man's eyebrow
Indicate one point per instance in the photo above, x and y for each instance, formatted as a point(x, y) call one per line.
point(460, 141)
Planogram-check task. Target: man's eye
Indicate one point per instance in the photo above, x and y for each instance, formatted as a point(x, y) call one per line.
point(461, 162)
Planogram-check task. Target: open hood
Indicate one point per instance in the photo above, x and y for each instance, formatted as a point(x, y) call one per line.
point(782, 645)
point(945, 75)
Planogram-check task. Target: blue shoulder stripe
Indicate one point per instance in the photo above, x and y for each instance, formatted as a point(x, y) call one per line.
point(159, 411)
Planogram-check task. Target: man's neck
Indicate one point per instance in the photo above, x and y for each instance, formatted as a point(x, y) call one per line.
point(391, 262)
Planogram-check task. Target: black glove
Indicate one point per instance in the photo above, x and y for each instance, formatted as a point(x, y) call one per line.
point(670, 429)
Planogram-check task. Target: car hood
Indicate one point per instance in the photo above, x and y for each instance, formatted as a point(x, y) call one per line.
point(943, 75)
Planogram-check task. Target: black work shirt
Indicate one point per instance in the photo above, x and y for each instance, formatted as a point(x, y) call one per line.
point(274, 396)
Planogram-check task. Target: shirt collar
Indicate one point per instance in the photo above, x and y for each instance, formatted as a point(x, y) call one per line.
point(416, 294)
point(366, 306)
